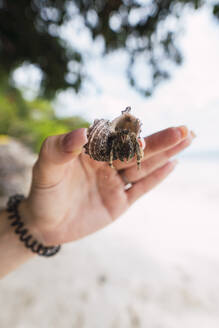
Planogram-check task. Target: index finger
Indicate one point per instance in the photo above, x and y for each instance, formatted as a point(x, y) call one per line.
point(156, 143)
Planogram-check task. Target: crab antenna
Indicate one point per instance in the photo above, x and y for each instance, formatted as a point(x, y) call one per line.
point(127, 110)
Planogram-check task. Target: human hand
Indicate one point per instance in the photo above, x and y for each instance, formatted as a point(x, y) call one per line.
point(73, 196)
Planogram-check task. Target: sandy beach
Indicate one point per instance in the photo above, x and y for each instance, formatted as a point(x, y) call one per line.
point(156, 267)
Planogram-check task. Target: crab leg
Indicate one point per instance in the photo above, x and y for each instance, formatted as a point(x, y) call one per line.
point(111, 156)
point(139, 153)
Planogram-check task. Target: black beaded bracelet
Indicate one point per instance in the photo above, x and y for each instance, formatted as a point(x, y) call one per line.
point(25, 237)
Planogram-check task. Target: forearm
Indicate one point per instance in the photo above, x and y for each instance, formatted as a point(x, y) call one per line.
point(13, 253)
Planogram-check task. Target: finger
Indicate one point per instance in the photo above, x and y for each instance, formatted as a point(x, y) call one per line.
point(132, 174)
point(55, 152)
point(146, 184)
point(164, 139)
point(158, 142)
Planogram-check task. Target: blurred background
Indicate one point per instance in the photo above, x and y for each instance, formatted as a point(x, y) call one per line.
point(65, 63)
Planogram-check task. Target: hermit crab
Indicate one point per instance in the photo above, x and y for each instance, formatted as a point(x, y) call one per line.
point(117, 139)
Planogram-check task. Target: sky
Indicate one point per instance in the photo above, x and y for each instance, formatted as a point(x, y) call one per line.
point(190, 97)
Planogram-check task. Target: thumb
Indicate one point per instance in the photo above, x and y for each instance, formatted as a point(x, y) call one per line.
point(56, 151)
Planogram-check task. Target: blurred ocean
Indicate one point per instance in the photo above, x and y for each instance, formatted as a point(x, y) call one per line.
point(209, 156)
point(156, 267)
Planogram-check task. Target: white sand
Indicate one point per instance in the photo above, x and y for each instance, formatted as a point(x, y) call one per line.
point(156, 267)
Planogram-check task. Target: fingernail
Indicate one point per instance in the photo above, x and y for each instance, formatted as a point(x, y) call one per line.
point(193, 134)
point(74, 140)
point(183, 130)
point(67, 140)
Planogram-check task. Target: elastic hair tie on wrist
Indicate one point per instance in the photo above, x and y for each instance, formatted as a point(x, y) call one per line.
point(25, 237)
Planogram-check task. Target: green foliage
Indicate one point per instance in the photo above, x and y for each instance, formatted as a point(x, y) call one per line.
point(32, 121)
point(29, 33)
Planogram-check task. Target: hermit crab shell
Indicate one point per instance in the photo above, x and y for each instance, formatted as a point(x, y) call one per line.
point(105, 138)
point(99, 136)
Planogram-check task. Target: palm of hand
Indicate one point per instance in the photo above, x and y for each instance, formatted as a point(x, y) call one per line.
point(89, 196)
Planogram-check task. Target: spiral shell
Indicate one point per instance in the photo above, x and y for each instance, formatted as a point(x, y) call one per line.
point(117, 139)
point(98, 139)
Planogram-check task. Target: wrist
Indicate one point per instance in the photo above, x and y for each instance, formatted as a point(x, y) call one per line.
point(29, 222)
point(39, 230)
point(19, 215)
